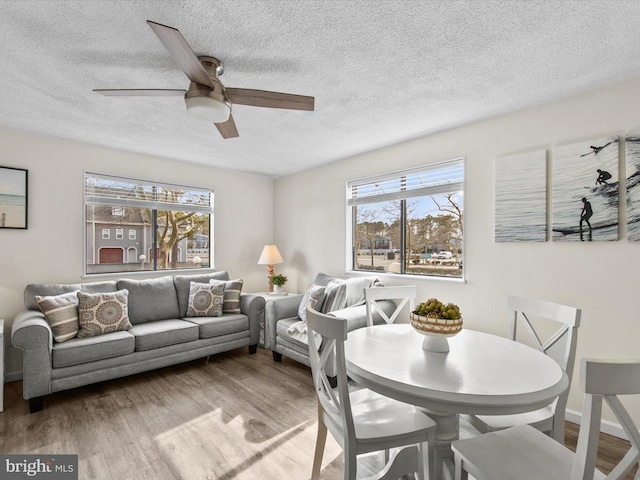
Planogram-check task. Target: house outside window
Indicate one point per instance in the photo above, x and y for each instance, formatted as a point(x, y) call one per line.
point(165, 222)
point(408, 222)
point(106, 234)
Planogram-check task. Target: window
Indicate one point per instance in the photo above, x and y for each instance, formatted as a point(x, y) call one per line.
point(408, 222)
point(106, 234)
point(169, 225)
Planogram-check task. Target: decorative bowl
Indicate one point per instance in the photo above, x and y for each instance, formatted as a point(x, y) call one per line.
point(436, 331)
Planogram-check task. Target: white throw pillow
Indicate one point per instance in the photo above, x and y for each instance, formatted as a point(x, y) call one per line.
point(312, 297)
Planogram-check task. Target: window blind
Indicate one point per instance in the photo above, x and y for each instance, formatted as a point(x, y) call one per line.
point(432, 179)
point(120, 191)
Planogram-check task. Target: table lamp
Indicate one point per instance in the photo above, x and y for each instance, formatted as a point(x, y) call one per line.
point(269, 257)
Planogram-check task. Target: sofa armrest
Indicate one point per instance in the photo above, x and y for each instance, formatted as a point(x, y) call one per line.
point(253, 307)
point(31, 333)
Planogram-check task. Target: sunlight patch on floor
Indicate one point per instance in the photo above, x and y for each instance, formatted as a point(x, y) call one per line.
point(210, 447)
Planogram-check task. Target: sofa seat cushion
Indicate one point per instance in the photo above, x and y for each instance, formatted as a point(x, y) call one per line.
point(90, 349)
point(161, 333)
point(281, 331)
point(224, 325)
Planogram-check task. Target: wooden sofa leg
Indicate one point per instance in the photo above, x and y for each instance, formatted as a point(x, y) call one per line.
point(253, 349)
point(277, 357)
point(36, 404)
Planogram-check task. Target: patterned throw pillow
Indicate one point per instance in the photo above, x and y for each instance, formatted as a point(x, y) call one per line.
point(232, 291)
point(313, 298)
point(205, 300)
point(101, 313)
point(61, 311)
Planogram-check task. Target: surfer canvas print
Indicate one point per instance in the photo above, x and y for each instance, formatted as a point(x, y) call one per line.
point(585, 191)
point(521, 197)
point(632, 151)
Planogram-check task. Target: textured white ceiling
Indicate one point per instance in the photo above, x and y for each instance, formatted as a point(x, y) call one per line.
point(381, 71)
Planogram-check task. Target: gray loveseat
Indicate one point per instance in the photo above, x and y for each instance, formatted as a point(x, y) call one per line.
point(160, 336)
point(281, 315)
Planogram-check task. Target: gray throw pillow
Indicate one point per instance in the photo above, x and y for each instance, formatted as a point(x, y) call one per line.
point(312, 298)
point(232, 291)
point(61, 312)
point(100, 313)
point(335, 295)
point(205, 300)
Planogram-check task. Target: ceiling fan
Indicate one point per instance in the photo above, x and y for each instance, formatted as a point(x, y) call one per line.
point(207, 98)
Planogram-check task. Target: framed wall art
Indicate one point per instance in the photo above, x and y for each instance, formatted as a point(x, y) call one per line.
point(632, 154)
point(585, 191)
point(14, 197)
point(521, 197)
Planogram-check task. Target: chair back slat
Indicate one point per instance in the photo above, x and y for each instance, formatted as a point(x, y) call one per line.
point(405, 295)
point(334, 402)
point(605, 380)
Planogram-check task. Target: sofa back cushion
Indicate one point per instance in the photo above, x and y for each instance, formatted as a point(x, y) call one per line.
point(183, 284)
point(151, 299)
point(51, 289)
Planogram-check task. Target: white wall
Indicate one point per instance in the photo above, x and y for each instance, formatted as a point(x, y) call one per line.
point(51, 249)
point(601, 278)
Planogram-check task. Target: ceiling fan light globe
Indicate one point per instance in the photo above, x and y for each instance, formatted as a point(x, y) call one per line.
point(208, 109)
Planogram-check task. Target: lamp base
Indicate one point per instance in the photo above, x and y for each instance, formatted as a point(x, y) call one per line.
point(271, 270)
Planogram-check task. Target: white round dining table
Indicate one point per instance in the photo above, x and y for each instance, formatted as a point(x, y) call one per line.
point(481, 374)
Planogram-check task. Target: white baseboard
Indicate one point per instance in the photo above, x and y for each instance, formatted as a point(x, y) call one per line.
point(606, 426)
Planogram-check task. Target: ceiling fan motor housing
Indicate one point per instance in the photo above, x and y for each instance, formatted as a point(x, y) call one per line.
point(209, 104)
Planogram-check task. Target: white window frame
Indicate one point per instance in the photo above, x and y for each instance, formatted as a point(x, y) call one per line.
point(119, 233)
point(410, 190)
point(106, 234)
point(132, 234)
point(120, 192)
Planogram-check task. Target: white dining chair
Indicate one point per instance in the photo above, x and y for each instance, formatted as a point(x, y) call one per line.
point(405, 295)
point(363, 421)
point(561, 323)
point(524, 453)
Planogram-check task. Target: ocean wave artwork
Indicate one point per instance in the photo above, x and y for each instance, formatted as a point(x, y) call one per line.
point(632, 155)
point(521, 197)
point(13, 198)
point(585, 191)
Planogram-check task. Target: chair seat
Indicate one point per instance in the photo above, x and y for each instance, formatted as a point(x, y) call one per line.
point(377, 417)
point(541, 419)
point(518, 453)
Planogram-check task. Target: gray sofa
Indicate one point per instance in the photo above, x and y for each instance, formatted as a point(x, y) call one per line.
point(282, 314)
point(160, 336)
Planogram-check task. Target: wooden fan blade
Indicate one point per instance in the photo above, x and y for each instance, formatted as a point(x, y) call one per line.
point(227, 129)
point(181, 53)
point(263, 98)
point(136, 92)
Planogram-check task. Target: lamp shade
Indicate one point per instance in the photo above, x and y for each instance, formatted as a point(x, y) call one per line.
point(270, 256)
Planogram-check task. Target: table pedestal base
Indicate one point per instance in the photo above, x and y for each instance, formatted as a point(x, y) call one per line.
point(447, 430)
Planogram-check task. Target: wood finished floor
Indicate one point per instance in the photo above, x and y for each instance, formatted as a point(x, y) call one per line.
point(239, 416)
